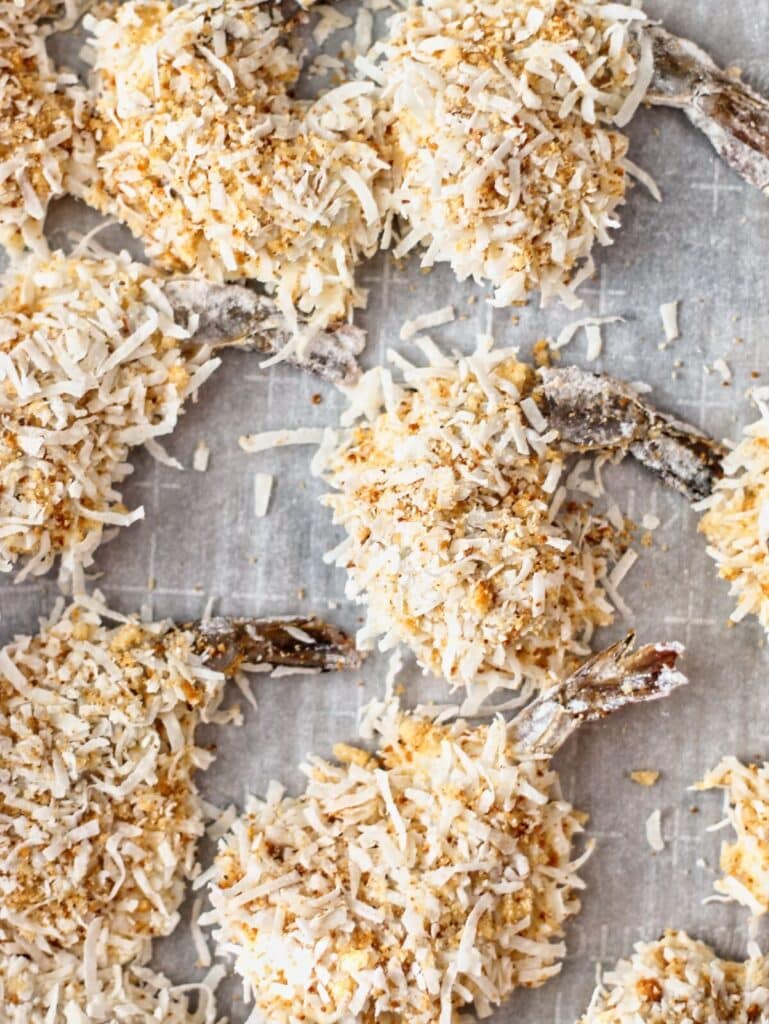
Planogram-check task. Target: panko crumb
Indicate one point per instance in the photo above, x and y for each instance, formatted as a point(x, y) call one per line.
point(542, 353)
point(645, 777)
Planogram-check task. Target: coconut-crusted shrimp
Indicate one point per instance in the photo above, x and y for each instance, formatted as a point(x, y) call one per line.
point(45, 149)
point(677, 980)
point(56, 988)
point(99, 805)
point(98, 354)
point(97, 761)
point(205, 155)
point(431, 875)
point(527, 99)
point(462, 540)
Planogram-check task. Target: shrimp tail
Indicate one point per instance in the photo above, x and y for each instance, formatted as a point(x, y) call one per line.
point(596, 412)
point(234, 315)
point(732, 115)
point(306, 643)
point(610, 680)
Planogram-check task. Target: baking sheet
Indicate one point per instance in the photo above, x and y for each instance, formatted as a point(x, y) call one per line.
point(704, 245)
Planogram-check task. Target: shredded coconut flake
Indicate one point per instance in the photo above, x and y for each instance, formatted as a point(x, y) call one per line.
point(654, 831)
point(722, 369)
point(426, 320)
point(201, 457)
point(591, 324)
point(262, 493)
point(268, 439)
point(669, 314)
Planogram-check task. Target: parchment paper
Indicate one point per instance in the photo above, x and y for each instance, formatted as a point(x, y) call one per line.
point(705, 245)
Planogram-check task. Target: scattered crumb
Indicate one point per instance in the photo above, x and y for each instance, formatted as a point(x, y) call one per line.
point(262, 493)
point(346, 754)
point(317, 399)
point(645, 777)
point(541, 352)
point(669, 314)
point(721, 367)
point(201, 457)
point(654, 831)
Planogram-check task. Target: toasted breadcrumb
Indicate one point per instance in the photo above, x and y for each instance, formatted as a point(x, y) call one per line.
point(433, 875)
point(644, 777)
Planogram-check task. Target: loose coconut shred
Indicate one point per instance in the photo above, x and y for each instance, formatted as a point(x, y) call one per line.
point(91, 364)
point(678, 980)
point(206, 157)
point(745, 862)
point(100, 814)
point(736, 519)
point(461, 539)
point(404, 885)
point(44, 149)
point(523, 95)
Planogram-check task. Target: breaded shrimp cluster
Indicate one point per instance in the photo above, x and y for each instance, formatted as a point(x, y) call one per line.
point(204, 154)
